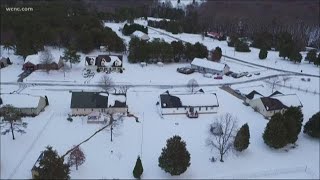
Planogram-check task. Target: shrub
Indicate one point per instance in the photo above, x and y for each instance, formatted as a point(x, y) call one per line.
point(241, 46)
point(241, 141)
point(263, 54)
point(312, 127)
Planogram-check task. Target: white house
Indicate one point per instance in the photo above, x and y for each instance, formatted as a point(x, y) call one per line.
point(27, 105)
point(85, 103)
point(275, 103)
point(105, 63)
point(140, 35)
point(188, 104)
point(206, 66)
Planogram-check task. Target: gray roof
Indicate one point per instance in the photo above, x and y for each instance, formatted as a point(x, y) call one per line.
point(88, 100)
point(169, 101)
point(252, 93)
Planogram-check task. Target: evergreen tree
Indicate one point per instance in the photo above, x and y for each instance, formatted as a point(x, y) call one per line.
point(51, 166)
point(295, 56)
point(216, 54)
point(263, 53)
point(138, 169)
point(71, 55)
point(275, 133)
point(293, 119)
point(241, 46)
point(312, 127)
point(174, 158)
point(311, 56)
point(241, 141)
point(317, 61)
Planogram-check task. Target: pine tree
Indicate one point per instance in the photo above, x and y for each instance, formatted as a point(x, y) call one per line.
point(71, 55)
point(263, 53)
point(295, 56)
point(138, 169)
point(312, 127)
point(293, 119)
point(311, 56)
point(51, 166)
point(275, 133)
point(317, 61)
point(241, 141)
point(174, 158)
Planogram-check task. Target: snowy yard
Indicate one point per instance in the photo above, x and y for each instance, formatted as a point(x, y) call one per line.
point(116, 159)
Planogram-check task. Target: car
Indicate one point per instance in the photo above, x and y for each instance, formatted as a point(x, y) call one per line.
point(218, 77)
point(244, 74)
point(228, 73)
point(257, 73)
point(185, 70)
point(237, 91)
point(249, 75)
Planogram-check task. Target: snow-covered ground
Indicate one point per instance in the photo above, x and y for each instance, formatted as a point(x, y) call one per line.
point(105, 159)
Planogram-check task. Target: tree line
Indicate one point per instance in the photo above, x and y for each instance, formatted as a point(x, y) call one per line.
point(128, 29)
point(159, 50)
point(60, 24)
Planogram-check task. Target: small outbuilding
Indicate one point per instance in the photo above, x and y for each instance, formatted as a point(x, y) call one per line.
point(206, 66)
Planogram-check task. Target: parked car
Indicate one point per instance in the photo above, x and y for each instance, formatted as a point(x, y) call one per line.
point(218, 77)
point(207, 75)
point(237, 91)
point(185, 70)
point(249, 75)
point(228, 73)
point(257, 73)
point(244, 74)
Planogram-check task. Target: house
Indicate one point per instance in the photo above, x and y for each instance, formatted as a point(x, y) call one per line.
point(140, 35)
point(28, 105)
point(35, 167)
point(34, 62)
point(188, 104)
point(206, 66)
point(275, 103)
point(252, 95)
point(216, 35)
point(4, 62)
point(105, 63)
point(85, 103)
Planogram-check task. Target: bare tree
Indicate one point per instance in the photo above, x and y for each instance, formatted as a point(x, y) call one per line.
point(285, 79)
point(115, 120)
point(106, 82)
point(65, 68)
point(11, 118)
point(192, 85)
point(273, 83)
point(76, 157)
point(123, 89)
point(222, 133)
point(46, 59)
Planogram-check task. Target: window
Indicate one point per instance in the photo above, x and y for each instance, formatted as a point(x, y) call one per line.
point(211, 107)
point(199, 108)
point(206, 108)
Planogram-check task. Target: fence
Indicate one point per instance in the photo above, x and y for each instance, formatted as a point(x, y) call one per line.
point(296, 88)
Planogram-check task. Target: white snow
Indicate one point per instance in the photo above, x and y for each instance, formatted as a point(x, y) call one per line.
point(20, 100)
point(205, 63)
point(112, 98)
point(36, 58)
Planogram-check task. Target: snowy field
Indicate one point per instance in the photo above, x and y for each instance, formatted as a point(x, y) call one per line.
point(116, 159)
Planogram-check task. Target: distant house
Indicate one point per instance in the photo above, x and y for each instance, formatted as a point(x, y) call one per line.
point(275, 103)
point(105, 63)
point(188, 104)
point(206, 66)
point(4, 62)
point(140, 35)
point(216, 35)
point(85, 103)
point(28, 105)
point(34, 62)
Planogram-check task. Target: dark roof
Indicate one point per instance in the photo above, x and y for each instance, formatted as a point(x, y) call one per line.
point(272, 104)
point(275, 93)
point(88, 59)
point(119, 104)
point(88, 100)
point(251, 95)
point(100, 57)
point(169, 101)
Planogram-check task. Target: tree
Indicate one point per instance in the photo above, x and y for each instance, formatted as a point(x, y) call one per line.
point(275, 133)
point(192, 85)
point(274, 83)
point(106, 82)
point(46, 59)
point(11, 117)
point(293, 119)
point(311, 56)
point(76, 157)
point(295, 56)
point(70, 54)
point(138, 169)
point(241, 141)
point(312, 127)
point(222, 141)
point(263, 53)
point(174, 158)
point(115, 119)
point(216, 54)
point(51, 166)
point(241, 46)
point(317, 62)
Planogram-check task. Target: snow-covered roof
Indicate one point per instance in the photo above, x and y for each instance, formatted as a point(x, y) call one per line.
point(208, 64)
point(181, 100)
point(141, 35)
point(20, 100)
point(288, 100)
point(112, 98)
point(36, 58)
